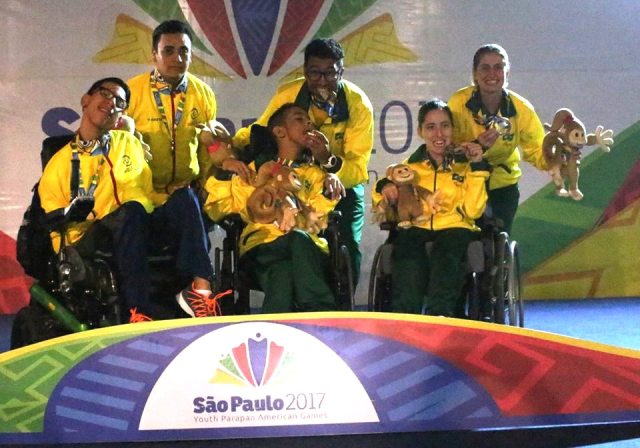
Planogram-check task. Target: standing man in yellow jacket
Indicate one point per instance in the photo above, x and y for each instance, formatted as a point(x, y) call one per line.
point(343, 113)
point(169, 104)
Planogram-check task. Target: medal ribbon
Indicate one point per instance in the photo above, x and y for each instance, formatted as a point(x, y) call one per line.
point(176, 114)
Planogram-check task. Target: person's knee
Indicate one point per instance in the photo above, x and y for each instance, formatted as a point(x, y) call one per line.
point(132, 213)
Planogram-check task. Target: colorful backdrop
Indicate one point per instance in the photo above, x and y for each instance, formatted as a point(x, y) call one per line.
point(400, 52)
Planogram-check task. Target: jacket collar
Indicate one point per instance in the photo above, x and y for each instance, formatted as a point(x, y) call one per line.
point(422, 155)
point(507, 109)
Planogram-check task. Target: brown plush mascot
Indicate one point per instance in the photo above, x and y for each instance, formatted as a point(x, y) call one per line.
point(562, 145)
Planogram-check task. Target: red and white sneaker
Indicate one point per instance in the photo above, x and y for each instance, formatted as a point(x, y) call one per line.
point(196, 304)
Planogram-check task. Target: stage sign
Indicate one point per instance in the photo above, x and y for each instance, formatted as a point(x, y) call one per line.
point(308, 374)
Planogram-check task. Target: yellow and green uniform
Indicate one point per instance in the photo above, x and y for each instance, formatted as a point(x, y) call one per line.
point(121, 175)
point(523, 141)
point(192, 103)
point(434, 281)
point(290, 267)
point(115, 173)
point(350, 133)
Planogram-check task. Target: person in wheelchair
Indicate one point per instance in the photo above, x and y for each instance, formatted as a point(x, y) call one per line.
point(432, 282)
point(113, 184)
point(286, 255)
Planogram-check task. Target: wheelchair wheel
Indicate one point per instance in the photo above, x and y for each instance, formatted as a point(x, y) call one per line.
point(515, 313)
point(501, 279)
point(379, 297)
point(473, 295)
point(34, 324)
point(344, 281)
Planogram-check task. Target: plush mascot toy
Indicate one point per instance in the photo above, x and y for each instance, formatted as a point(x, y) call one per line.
point(562, 144)
point(412, 198)
point(274, 200)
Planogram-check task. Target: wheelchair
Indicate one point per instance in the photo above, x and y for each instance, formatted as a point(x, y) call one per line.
point(230, 274)
point(74, 293)
point(492, 283)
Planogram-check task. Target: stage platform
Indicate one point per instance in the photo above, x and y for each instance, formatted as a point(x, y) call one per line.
point(319, 379)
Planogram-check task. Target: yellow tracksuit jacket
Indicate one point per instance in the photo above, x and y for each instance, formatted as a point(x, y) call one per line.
point(527, 134)
point(350, 131)
point(187, 163)
point(125, 161)
point(228, 197)
point(463, 193)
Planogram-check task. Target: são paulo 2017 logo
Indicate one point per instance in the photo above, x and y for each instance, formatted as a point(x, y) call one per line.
point(253, 363)
point(256, 374)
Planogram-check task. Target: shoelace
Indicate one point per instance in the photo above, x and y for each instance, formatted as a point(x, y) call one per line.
point(138, 317)
point(213, 303)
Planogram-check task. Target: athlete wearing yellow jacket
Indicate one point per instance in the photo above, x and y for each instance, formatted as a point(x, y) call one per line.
point(462, 196)
point(290, 266)
point(184, 163)
point(121, 175)
point(526, 134)
point(475, 110)
point(432, 282)
point(229, 197)
point(111, 171)
point(344, 114)
point(349, 131)
point(168, 104)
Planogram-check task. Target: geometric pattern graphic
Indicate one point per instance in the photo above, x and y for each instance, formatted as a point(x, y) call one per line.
point(547, 226)
point(341, 14)
point(256, 22)
point(600, 264)
point(529, 373)
point(375, 42)
point(107, 391)
point(33, 376)
point(213, 19)
point(297, 20)
point(420, 373)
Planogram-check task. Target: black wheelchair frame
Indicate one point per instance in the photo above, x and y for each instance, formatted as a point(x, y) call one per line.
point(230, 275)
point(492, 284)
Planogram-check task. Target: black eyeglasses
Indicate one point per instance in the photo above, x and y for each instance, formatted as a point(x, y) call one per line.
point(121, 103)
point(329, 75)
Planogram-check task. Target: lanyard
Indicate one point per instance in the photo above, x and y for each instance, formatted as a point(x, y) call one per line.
point(99, 148)
point(96, 176)
point(176, 115)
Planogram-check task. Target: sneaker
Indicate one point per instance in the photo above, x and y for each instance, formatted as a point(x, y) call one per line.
point(138, 317)
point(198, 305)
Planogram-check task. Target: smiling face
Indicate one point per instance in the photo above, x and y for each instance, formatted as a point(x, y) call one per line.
point(436, 130)
point(322, 77)
point(491, 73)
point(172, 57)
point(100, 108)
